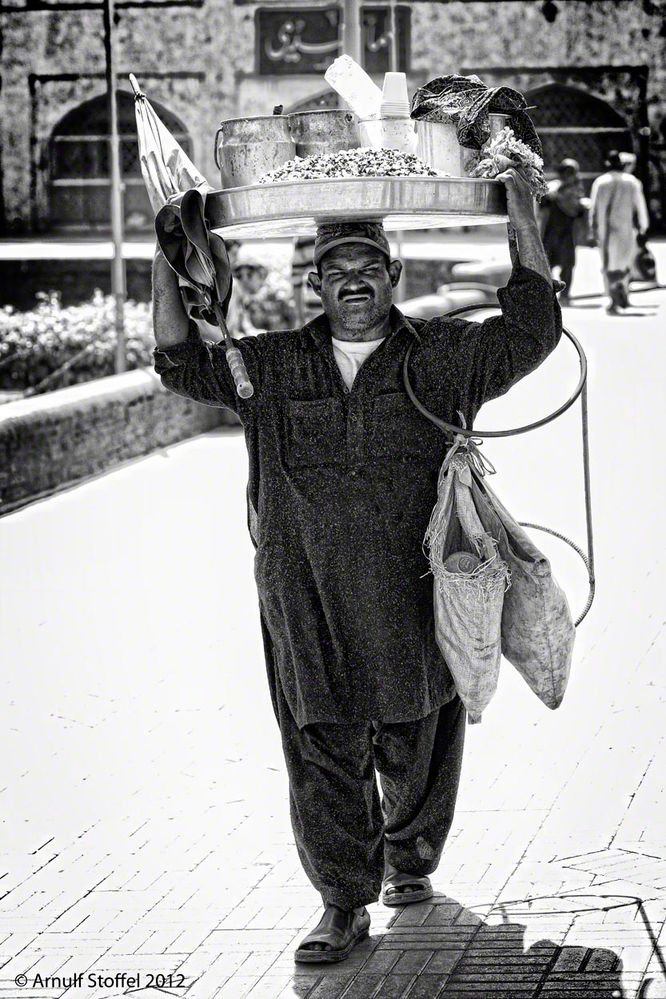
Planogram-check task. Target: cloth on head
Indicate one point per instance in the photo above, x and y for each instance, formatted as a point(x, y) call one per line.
point(613, 161)
point(568, 165)
point(467, 102)
point(333, 234)
point(628, 159)
point(247, 256)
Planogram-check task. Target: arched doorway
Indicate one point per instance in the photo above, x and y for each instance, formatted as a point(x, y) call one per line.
point(79, 196)
point(571, 122)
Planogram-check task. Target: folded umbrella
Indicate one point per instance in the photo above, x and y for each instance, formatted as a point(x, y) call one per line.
point(177, 193)
point(167, 169)
point(199, 258)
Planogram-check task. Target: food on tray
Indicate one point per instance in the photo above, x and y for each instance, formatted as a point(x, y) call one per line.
point(505, 151)
point(361, 162)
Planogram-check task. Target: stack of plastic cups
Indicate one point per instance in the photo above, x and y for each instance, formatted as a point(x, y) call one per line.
point(396, 128)
point(395, 100)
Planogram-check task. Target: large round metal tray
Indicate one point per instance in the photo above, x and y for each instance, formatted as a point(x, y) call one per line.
point(295, 208)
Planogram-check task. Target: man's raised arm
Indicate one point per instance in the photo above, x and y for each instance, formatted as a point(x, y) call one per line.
point(185, 364)
point(484, 359)
point(525, 243)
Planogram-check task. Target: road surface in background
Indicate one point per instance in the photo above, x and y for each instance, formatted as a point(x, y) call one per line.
point(143, 798)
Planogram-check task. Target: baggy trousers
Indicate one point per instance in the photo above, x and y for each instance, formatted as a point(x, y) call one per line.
point(344, 832)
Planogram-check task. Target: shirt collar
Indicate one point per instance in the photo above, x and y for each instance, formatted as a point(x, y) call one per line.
point(320, 329)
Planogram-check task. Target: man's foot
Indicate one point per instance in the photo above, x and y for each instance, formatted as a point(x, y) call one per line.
point(403, 889)
point(613, 310)
point(335, 936)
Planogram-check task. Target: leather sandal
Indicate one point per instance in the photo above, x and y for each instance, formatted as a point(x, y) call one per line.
point(404, 889)
point(335, 936)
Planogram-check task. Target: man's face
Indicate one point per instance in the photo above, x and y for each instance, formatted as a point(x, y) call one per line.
point(355, 283)
point(250, 278)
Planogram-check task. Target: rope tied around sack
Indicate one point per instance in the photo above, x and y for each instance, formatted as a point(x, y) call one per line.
point(467, 450)
point(472, 456)
point(462, 460)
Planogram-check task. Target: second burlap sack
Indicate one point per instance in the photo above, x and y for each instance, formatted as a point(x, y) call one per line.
point(537, 627)
point(509, 605)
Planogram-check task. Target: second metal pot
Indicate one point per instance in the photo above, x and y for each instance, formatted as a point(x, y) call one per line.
point(438, 146)
point(316, 133)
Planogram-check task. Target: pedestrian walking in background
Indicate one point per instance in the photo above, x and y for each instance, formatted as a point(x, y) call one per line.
point(262, 299)
point(560, 211)
point(618, 218)
point(644, 265)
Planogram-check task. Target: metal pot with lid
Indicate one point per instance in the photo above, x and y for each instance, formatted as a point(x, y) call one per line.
point(248, 148)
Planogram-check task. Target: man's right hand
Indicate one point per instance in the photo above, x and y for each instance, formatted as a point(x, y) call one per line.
point(170, 320)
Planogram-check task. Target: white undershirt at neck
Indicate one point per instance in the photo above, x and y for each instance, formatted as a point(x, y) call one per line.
point(350, 355)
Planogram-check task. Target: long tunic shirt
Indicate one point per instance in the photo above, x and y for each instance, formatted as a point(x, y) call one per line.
point(617, 211)
point(342, 484)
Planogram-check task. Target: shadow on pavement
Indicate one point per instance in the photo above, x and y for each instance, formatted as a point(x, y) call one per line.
point(555, 947)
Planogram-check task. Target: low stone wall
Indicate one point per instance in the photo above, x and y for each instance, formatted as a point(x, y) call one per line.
point(51, 441)
point(76, 280)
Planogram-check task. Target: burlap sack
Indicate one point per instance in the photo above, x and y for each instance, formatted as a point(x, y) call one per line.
point(468, 606)
point(537, 628)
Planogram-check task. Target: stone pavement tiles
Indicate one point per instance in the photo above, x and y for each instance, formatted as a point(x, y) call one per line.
point(143, 807)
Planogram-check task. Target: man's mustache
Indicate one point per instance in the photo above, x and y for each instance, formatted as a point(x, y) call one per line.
point(356, 291)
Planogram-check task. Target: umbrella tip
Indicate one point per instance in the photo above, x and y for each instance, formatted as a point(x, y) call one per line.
point(135, 85)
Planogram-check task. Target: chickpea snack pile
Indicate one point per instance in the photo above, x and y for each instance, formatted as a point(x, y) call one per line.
point(363, 162)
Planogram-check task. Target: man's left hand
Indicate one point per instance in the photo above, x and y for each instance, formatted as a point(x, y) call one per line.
point(519, 198)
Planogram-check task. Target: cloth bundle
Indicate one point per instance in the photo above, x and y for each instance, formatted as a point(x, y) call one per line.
point(197, 255)
point(467, 101)
point(510, 604)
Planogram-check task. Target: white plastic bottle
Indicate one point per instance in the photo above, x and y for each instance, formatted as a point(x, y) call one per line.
point(351, 81)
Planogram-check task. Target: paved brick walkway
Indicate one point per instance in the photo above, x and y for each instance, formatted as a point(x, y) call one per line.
point(143, 808)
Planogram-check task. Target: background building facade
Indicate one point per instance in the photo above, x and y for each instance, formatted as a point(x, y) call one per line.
point(595, 70)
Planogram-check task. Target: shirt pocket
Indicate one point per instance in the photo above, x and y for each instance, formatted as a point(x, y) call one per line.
point(314, 433)
point(397, 430)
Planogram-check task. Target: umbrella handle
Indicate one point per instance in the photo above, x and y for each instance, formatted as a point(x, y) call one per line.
point(238, 371)
point(244, 386)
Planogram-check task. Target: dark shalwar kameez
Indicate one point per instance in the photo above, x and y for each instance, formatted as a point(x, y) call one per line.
point(341, 487)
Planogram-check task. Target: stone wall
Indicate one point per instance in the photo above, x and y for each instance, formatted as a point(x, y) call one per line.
point(52, 441)
point(199, 62)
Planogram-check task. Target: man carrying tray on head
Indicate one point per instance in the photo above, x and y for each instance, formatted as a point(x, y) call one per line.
point(343, 479)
